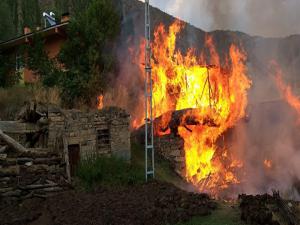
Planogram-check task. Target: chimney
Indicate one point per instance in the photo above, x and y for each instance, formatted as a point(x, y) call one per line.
point(27, 30)
point(65, 17)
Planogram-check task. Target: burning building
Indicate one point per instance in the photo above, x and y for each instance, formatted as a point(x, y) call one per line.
point(218, 115)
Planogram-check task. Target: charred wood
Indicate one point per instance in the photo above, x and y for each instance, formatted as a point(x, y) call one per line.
point(284, 209)
point(37, 186)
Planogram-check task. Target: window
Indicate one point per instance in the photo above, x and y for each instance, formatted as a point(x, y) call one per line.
point(103, 138)
point(19, 63)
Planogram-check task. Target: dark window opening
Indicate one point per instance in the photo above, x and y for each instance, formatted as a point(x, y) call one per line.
point(103, 138)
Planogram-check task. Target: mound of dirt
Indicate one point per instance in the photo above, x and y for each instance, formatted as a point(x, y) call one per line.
point(254, 209)
point(152, 203)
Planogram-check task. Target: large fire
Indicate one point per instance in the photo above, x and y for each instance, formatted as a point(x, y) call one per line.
point(218, 92)
point(100, 102)
point(286, 91)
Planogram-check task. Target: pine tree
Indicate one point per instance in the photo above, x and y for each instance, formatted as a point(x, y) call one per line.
point(31, 14)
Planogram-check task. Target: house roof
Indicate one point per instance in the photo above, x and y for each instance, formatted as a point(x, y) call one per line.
point(46, 32)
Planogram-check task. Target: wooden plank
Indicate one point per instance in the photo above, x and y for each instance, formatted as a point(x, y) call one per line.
point(12, 143)
point(66, 153)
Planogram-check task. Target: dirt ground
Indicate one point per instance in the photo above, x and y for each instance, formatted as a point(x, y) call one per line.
point(153, 203)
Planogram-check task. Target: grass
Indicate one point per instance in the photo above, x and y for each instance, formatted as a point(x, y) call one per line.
point(108, 171)
point(163, 169)
point(224, 215)
point(115, 171)
point(13, 99)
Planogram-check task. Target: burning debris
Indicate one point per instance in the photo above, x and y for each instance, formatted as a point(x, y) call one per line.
point(199, 103)
point(268, 210)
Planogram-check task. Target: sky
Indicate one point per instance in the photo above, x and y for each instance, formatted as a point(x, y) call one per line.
point(269, 18)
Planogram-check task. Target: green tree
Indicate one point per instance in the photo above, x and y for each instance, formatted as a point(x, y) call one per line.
point(38, 61)
point(6, 22)
point(86, 55)
point(31, 14)
point(8, 74)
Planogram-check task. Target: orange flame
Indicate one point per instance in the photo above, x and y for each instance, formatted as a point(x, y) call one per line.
point(220, 97)
point(100, 102)
point(268, 163)
point(286, 91)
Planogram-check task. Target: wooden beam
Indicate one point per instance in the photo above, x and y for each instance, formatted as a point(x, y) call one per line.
point(12, 143)
point(3, 149)
point(67, 161)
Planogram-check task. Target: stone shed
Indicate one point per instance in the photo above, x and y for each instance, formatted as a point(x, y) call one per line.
point(83, 135)
point(41, 149)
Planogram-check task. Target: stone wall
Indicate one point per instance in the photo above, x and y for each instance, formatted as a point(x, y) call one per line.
point(23, 132)
point(97, 133)
point(171, 147)
point(47, 168)
point(36, 172)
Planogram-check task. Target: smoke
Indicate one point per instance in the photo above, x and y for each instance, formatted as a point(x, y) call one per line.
point(271, 132)
point(270, 18)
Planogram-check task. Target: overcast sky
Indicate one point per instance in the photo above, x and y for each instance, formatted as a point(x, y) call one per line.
point(271, 18)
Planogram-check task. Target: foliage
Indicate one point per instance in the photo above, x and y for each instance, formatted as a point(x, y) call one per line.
point(38, 61)
point(6, 24)
point(92, 32)
point(12, 99)
point(163, 168)
point(108, 171)
point(86, 56)
point(45, 95)
point(31, 13)
point(226, 214)
point(8, 75)
point(15, 14)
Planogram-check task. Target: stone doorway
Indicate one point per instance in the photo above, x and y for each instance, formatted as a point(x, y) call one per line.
point(74, 157)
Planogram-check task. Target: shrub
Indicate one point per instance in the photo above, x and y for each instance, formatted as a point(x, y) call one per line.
point(46, 95)
point(87, 56)
point(108, 171)
point(13, 99)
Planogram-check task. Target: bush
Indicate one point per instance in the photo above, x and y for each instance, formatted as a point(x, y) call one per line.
point(14, 98)
point(8, 76)
point(108, 171)
point(87, 56)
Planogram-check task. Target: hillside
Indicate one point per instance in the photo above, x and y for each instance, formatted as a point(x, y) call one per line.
point(260, 51)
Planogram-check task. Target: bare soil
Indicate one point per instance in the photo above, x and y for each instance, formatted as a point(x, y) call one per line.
point(152, 203)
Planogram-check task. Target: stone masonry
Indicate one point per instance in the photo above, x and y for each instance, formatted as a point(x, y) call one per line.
point(171, 147)
point(97, 133)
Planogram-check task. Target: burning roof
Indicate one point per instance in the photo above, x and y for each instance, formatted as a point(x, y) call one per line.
point(216, 102)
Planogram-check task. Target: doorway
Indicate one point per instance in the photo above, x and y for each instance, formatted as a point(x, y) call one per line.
point(74, 157)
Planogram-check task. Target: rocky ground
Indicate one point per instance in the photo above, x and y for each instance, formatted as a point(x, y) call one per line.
point(153, 203)
point(268, 210)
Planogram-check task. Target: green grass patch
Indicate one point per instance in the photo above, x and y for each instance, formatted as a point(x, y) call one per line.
point(108, 171)
point(226, 214)
point(163, 168)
